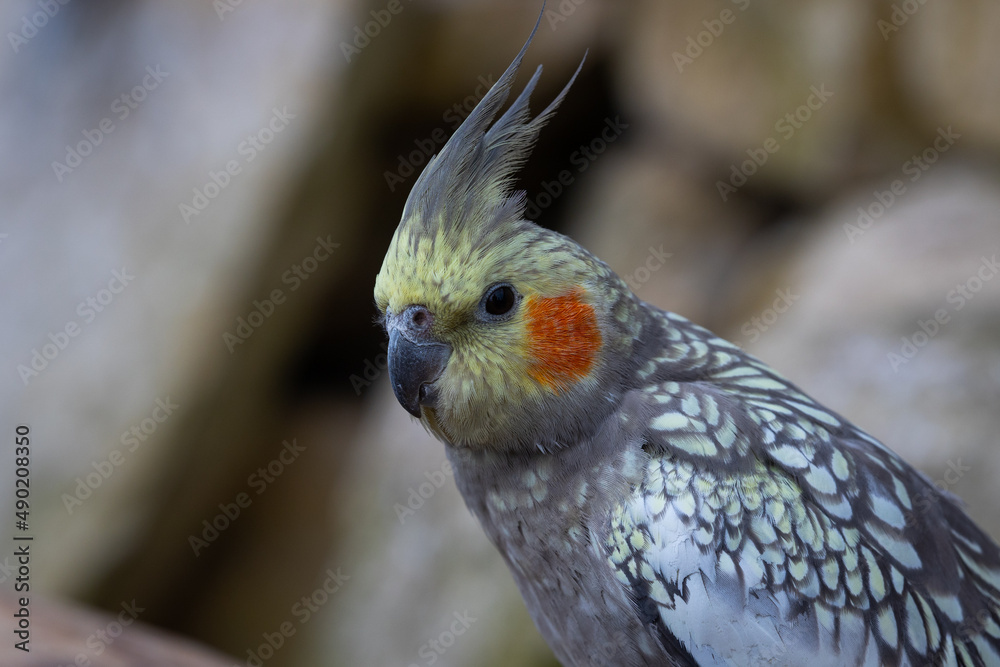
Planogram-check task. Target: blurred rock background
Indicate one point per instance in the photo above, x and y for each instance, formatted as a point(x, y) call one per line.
point(817, 181)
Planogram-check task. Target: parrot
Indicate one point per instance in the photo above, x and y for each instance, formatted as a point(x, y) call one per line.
point(660, 496)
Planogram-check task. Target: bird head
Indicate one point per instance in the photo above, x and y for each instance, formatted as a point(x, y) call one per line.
point(499, 330)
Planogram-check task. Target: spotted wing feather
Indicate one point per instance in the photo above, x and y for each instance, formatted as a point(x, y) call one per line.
point(769, 530)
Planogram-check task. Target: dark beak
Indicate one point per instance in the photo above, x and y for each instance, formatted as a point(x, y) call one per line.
point(416, 359)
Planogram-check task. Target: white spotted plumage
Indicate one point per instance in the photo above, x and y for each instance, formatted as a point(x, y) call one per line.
point(791, 537)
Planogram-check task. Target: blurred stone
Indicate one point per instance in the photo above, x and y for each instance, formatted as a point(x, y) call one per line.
point(658, 227)
point(730, 79)
point(948, 57)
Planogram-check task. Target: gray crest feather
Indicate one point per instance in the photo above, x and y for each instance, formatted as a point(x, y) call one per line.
point(467, 186)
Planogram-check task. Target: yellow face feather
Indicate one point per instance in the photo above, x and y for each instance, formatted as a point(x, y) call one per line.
point(551, 341)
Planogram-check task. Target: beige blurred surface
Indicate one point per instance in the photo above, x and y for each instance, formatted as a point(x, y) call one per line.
point(63, 634)
point(323, 542)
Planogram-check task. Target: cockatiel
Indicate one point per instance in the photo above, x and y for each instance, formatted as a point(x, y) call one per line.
point(660, 496)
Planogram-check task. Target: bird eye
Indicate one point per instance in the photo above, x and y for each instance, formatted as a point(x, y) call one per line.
point(499, 299)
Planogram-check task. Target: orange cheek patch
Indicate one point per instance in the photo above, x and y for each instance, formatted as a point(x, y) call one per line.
point(563, 339)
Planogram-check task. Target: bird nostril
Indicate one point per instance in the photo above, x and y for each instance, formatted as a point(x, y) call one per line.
point(419, 317)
